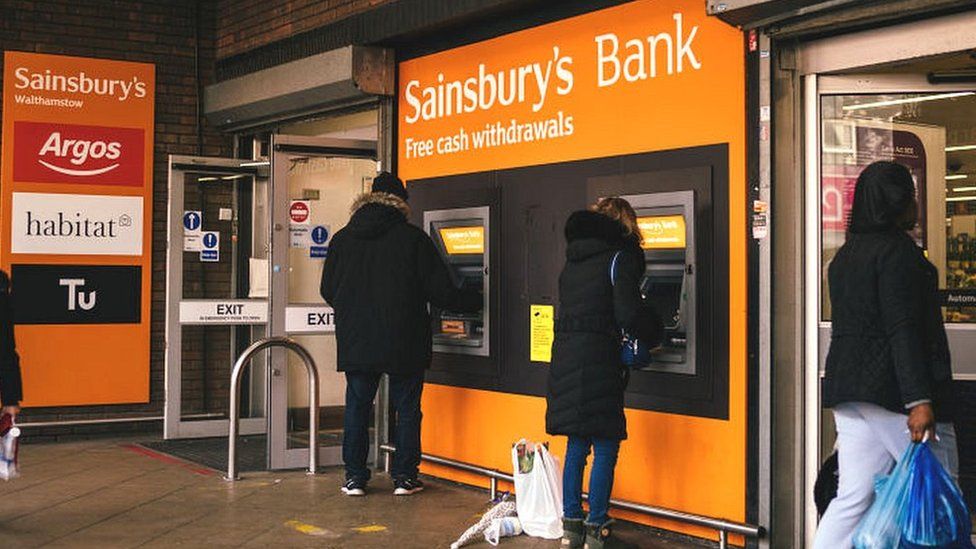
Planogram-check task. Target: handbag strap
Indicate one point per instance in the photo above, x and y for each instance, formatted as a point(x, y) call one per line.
point(613, 268)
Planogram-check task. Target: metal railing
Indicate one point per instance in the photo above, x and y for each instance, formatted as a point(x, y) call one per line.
point(722, 526)
point(313, 399)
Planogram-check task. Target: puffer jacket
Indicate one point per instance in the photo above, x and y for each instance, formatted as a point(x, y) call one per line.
point(587, 379)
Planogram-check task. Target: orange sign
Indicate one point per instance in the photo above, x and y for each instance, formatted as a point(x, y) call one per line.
point(464, 240)
point(639, 77)
point(662, 232)
point(76, 225)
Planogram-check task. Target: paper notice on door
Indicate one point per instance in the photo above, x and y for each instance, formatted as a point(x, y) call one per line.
point(541, 332)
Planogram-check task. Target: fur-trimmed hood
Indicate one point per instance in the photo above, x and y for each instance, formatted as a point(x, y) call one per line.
point(373, 214)
point(589, 233)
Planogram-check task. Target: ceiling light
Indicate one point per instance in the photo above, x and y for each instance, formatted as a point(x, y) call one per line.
point(960, 198)
point(963, 189)
point(906, 100)
point(206, 179)
point(255, 163)
point(238, 176)
point(957, 148)
point(955, 177)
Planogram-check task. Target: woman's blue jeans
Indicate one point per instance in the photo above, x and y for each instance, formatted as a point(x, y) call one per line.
point(601, 477)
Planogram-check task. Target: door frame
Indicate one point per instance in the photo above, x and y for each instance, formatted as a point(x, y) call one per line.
point(174, 426)
point(282, 146)
point(816, 331)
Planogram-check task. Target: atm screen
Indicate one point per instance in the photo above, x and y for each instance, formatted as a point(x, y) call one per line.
point(662, 232)
point(463, 240)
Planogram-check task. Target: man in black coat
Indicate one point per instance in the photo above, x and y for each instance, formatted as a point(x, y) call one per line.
point(379, 276)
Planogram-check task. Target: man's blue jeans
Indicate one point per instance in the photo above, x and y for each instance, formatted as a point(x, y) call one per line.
point(405, 393)
point(601, 477)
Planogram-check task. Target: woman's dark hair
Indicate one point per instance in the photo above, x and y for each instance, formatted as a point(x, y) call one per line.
point(883, 199)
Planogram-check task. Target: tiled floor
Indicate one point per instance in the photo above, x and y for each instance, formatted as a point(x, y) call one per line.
point(114, 494)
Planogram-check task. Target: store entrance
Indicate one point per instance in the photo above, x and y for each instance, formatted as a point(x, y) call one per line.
point(905, 116)
point(247, 241)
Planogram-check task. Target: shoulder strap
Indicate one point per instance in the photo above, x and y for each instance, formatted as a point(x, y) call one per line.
point(613, 268)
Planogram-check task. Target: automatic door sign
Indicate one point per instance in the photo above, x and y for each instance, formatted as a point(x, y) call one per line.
point(192, 231)
point(317, 319)
point(77, 294)
point(318, 249)
point(210, 251)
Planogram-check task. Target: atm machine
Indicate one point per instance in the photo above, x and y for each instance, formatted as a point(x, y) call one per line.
point(460, 236)
point(666, 222)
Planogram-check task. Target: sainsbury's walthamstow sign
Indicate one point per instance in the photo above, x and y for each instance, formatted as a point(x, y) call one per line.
point(76, 207)
point(566, 90)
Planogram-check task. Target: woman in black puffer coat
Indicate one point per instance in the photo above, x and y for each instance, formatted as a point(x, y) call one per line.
point(585, 399)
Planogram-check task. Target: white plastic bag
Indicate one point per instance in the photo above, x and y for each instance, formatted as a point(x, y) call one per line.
point(538, 491)
point(502, 528)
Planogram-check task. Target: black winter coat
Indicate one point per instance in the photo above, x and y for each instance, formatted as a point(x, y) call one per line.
point(587, 378)
point(379, 275)
point(10, 383)
point(888, 344)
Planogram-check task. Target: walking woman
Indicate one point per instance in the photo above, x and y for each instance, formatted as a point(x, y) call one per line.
point(587, 378)
point(888, 367)
point(10, 384)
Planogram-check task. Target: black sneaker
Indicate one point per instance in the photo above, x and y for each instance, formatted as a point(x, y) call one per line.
point(354, 487)
point(407, 486)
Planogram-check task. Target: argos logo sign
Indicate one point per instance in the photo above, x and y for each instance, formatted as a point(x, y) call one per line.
point(67, 153)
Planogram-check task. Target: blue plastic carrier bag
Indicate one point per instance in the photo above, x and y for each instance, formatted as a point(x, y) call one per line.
point(881, 526)
point(917, 505)
point(936, 515)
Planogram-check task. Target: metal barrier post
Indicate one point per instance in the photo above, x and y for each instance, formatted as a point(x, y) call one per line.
point(235, 406)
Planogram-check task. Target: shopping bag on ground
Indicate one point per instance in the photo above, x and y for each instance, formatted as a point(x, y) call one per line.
point(881, 526)
point(538, 490)
point(936, 515)
point(9, 434)
point(475, 533)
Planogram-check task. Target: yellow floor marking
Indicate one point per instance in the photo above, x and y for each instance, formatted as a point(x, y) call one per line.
point(370, 529)
point(308, 529)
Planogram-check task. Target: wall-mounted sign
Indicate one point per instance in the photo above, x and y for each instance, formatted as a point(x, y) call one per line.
point(309, 319)
point(541, 336)
point(77, 294)
point(68, 153)
point(210, 246)
point(76, 202)
point(192, 230)
point(74, 224)
point(299, 212)
point(229, 311)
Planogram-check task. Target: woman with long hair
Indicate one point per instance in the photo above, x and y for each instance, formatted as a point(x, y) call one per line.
point(888, 367)
point(585, 399)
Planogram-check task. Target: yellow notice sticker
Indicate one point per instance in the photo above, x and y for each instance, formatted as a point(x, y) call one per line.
point(662, 232)
point(541, 333)
point(464, 240)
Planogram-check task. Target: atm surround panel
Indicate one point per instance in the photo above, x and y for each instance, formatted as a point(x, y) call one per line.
point(669, 280)
point(528, 210)
point(462, 237)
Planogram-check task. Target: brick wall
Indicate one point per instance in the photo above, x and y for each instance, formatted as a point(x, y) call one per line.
point(153, 31)
point(246, 24)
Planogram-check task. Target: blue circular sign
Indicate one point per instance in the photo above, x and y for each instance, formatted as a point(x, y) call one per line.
point(210, 240)
point(320, 234)
point(191, 221)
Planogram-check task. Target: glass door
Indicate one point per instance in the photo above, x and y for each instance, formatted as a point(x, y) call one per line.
point(216, 293)
point(315, 181)
point(852, 121)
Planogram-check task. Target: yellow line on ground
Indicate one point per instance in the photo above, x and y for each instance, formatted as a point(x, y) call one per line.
point(370, 529)
point(309, 529)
